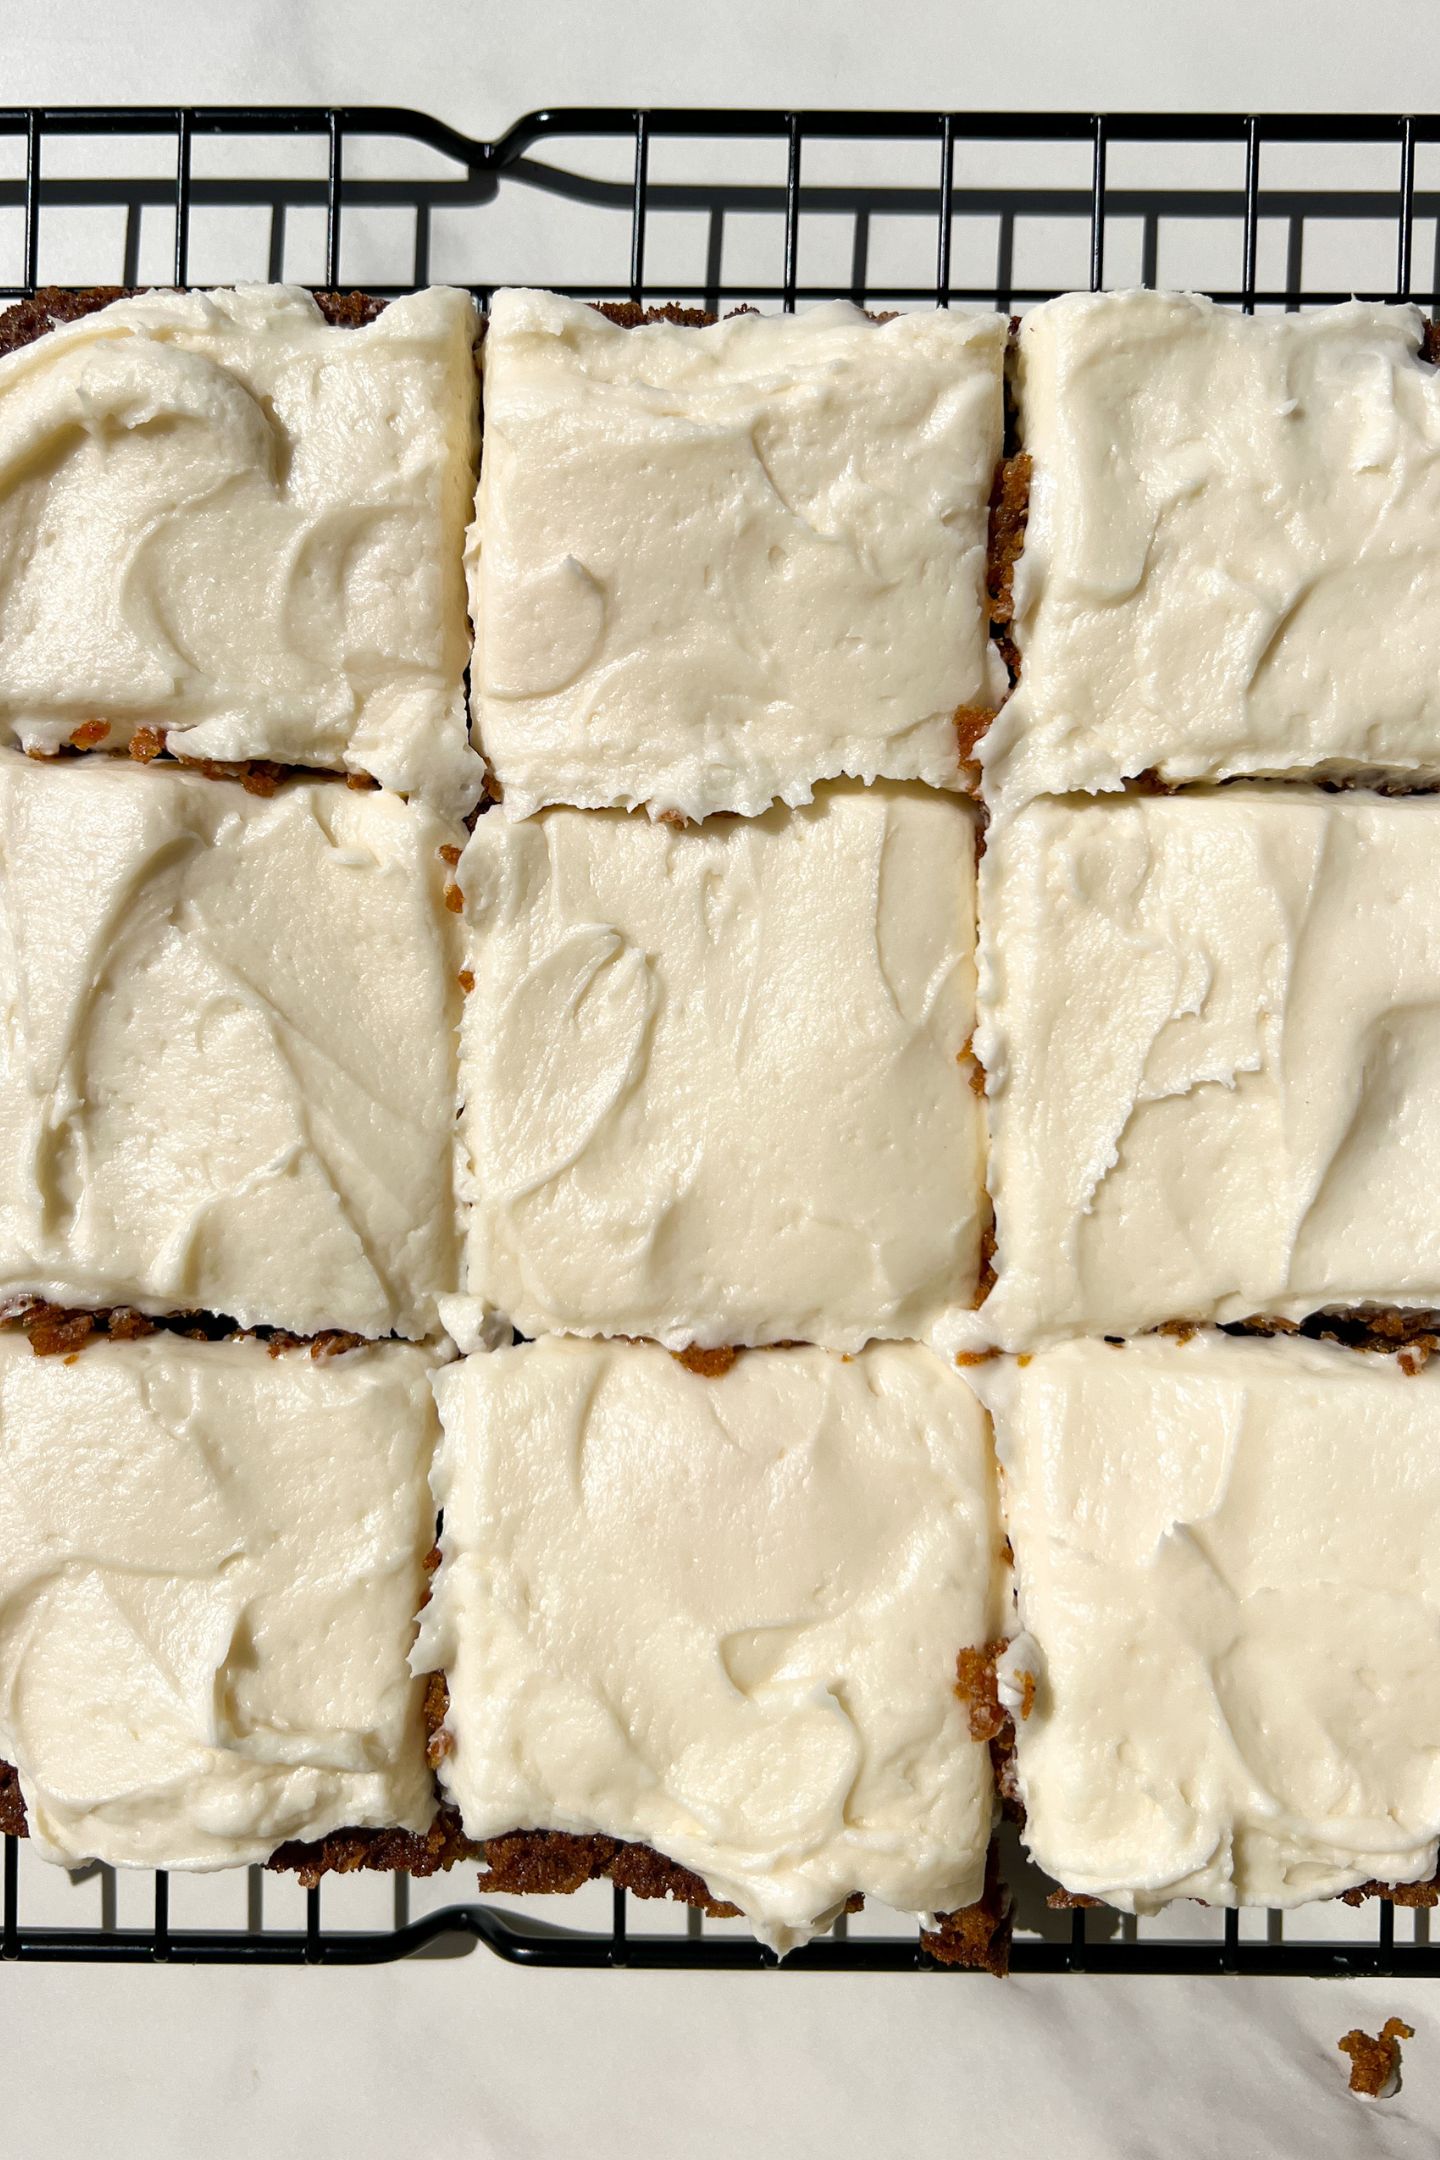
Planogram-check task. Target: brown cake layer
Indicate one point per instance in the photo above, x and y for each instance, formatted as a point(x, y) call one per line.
point(1422, 1896)
point(62, 1331)
point(629, 314)
point(1414, 1335)
point(26, 320)
point(12, 1806)
point(553, 1863)
point(1009, 512)
point(389, 1852)
point(976, 1936)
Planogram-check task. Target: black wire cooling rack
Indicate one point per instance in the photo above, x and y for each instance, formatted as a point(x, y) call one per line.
point(714, 208)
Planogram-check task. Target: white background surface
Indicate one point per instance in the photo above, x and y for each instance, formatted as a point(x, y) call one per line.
point(464, 2056)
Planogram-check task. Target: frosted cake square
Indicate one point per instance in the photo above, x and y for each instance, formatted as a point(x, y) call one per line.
point(1225, 1685)
point(1210, 1026)
point(231, 523)
point(1231, 562)
point(227, 1074)
point(721, 1616)
point(714, 565)
point(717, 1083)
point(211, 1560)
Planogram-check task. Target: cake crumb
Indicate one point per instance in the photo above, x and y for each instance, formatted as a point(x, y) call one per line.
point(971, 723)
point(709, 1364)
point(146, 743)
point(333, 1343)
point(977, 1687)
point(1375, 2059)
point(88, 734)
point(985, 1276)
point(53, 1331)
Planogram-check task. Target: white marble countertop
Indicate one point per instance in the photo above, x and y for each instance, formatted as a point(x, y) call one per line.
point(464, 2055)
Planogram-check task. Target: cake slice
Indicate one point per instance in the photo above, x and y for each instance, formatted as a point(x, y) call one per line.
point(717, 1081)
point(227, 1075)
point(721, 1616)
point(1232, 558)
point(712, 565)
point(1209, 1029)
point(229, 521)
point(1227, 1565)
point(211, 1560)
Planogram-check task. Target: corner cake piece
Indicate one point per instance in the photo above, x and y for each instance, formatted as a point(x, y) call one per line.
point(1210, 1026)
point(1232, 559)
point(227, 1076)
point(721, 1617)
point(713, 565)
point(717, 1081)
point(210, 1566)
point(224, 517)
point(1227, 1562)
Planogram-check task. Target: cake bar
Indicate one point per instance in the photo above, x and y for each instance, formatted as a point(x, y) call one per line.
point(1227, 1563)
point(210, 1564)
point(714, 565)
point(226, 1074)
point(229, 520)
point(1232, 560)
point(721, 1617)
point(717, 1083)
point(1209, 1028)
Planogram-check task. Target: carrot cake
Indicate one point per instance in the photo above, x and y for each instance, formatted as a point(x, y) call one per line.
point(209, 1573)
point(1210, 1026)
point(1227, 1564)
point(713, 565)
point(721, 1616)
point(717, 1081)
point(1231, 563)
point(226, 518)
point(226, 1071)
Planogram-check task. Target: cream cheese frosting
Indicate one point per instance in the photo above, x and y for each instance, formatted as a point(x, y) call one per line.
point(721, 1616)
point(209, 1575)
point(1227, 1561)
point(227, 1071)
point(222, 516)
point(1231, 563)
point(1210, 1026)
point(716, 1081)
point(711, 566)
